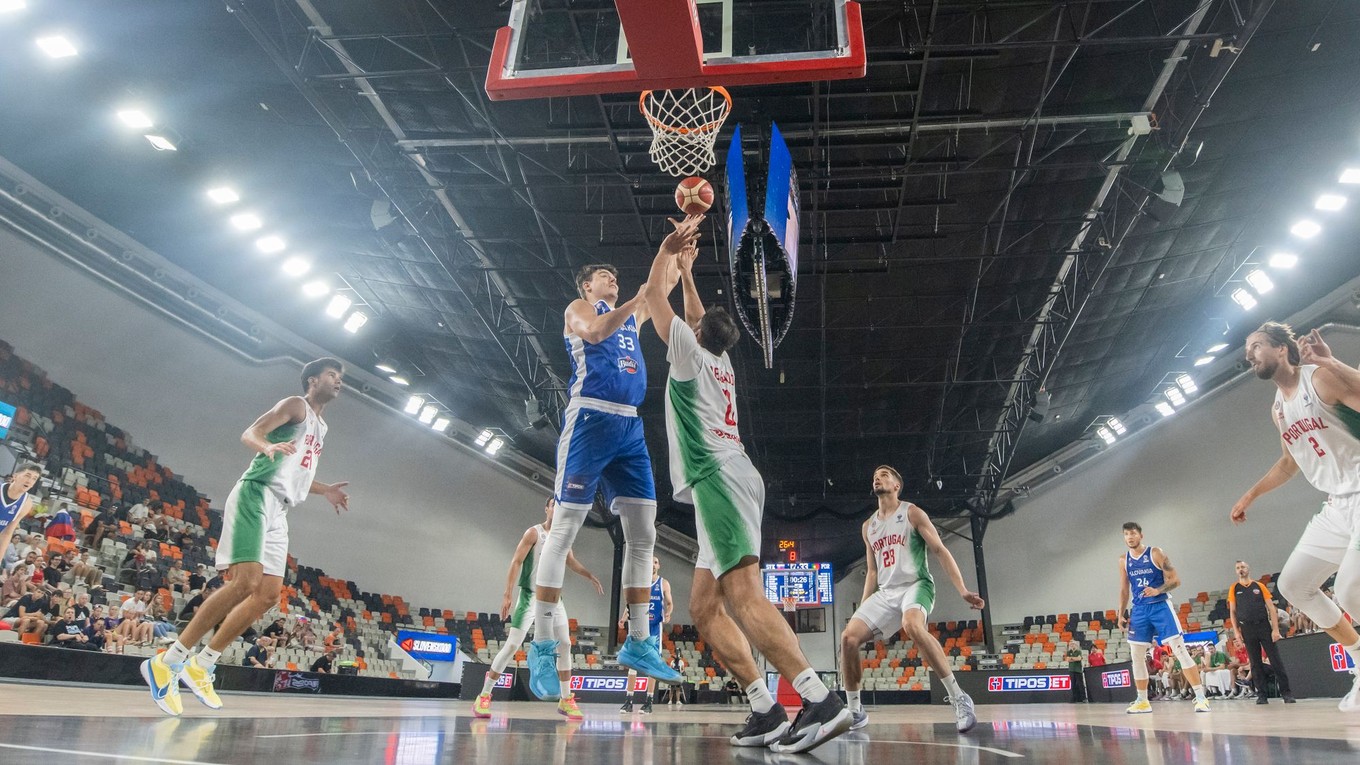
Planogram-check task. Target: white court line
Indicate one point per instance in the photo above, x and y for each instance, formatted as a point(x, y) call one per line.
point(104, 755)
point(993, 750)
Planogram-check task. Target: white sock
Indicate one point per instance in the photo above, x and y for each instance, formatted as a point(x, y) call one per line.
point(639, 623)
point(760, 698)
point(1142, 695)
point(566, 688)
point(1354, 651)
point(951, 686)
point(543, 619)
point(176, 654)
point(207, 658)
point(809, 686)
point(489, 683)
point(1199, 692)
point(852, 699)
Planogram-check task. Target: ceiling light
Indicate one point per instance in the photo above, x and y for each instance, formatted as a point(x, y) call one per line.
point(57, 46)
point(1260, 282)
point(296, 266)
point(135, 118)
point(8, 6)
point(1175, 396)
point(483, 437)
point(315, 289)
point(1202, 360)
point(383, 366)
point(414, 403)
point(1117, 426)
point(270, 244)
point(1244, 299)
point(1105, 435)
point(1216, 347)
point(223, 195)
point(246, 221)
point(1350, 175)
point(160, 142)
point(1186, 383)
point(399, 380)
point(495, 446)
point(355, 321)
point(1330, 202)
point(1166, 409)
point(1283, 260)
point(338, 305)
point(428, 413)
point(1305, 229)
point(440, 425)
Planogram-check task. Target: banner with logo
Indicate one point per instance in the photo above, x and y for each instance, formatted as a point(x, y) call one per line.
point(428, 646)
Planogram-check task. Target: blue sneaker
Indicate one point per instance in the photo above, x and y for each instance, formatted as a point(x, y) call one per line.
point(543, 680)
point(644, 657)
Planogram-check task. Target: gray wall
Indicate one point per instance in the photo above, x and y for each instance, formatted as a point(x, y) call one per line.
point(428, 521)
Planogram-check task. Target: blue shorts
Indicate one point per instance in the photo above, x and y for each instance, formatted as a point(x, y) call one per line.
point(605, 451)
point(1153, 620)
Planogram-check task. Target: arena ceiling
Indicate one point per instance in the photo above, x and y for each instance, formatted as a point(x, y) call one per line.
point(978, 221)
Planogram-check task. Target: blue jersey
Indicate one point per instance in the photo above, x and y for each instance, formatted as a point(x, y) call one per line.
point(1142, 572)
point(9, 510)
point(611, 370)
point(656, 607)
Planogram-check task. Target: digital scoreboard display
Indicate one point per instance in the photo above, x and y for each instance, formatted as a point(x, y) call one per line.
point(809, 584)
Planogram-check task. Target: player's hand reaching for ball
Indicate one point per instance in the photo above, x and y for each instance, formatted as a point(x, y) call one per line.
point(685, 260)
point(1313, 349)
point(974, 600)
point(336, 495)
point(274, 450)
point(686, 233)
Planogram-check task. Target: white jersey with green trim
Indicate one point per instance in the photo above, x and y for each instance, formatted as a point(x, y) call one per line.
point(899, 550)
point(526, 569)
point(290, 476)
point(701, 410)
point(1324, 440)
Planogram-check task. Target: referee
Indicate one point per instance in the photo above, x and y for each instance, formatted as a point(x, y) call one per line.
point(1253, 616)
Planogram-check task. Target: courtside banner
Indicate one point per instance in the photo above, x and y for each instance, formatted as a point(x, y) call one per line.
point(1110, 684)
point(428, 646)
point(1008, 687)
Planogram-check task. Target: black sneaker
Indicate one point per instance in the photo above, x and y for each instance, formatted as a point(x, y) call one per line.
point(647, 707)
point(1262, 699)
point(627, 707)
point(815, 725)
point(1289, 699)
point(763, 729)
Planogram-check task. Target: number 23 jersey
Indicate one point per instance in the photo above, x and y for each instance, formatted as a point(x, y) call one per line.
point(701, 410)
point(899, 551)
point(1324, 440)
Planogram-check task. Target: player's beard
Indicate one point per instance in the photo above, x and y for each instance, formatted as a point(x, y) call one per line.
point(882, 491)
point(1266, 370)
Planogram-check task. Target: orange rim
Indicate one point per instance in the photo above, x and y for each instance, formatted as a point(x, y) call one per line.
point(708, 127)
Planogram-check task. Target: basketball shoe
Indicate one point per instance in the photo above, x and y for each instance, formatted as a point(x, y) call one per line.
point(200, 682)
point(567, 708)
point(482, 706)
point(647, 706)
point(1202, 705)
point(542, 655)
point(163, 680)
point(627, 707)
point(965, 717)
point(858, 719)
point(1139, 707)
point(815, 725)
point(1351, 701)
point(644, 657)
point(763, 729)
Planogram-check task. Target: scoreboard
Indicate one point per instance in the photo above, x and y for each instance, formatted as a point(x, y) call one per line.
point(811, 584)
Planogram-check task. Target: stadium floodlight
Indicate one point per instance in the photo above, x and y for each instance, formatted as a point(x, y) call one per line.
point(10, 6)
point(1283, 260)
point(135, 118)
point(1305, 229)
point(1216, 347)
point(1116, 426)
point(160, 142)
point(1105, 435)
point(1260, 282)
point(383, 366)
point(296, 266)
point(1244, 299)
point(483, 437)
point(1330, 202)
point(1186, 383)
point(57, 46)
point(270, 244)
point(413, 404)
point(399, 380)
point(355, 322)
point(441, 425)
point(223, 195)
point(1202, 360)
point(246, 221)
point(315, 288)
point(1174, 395)
point(1350, 175)
point(338, 306)
point(1166, 409)
point(428, 413)
point(495, 446)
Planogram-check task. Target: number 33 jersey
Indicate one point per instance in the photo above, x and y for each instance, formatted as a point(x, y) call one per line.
point(899, 551)
point(290, 476)
point(701, 410)
point(1324, 440)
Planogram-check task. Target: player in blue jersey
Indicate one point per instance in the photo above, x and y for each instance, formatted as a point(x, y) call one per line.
point(659, 609)
point(601, 447)
point(15, 504)
point(1146, 574)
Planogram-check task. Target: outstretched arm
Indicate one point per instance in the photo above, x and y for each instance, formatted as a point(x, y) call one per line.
point(1283, 469)
point(658, 302)
point(594, 328)
point(921, 522)
point(1335, 382)
point(694, 307)
point(333, 492)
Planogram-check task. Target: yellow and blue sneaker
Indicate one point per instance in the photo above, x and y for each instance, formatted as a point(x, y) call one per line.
point(163, 680)
point(200, 681)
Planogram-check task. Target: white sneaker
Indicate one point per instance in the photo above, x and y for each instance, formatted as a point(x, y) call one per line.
point(1351, 701)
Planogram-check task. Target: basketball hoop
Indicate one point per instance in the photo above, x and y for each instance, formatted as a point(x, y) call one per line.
point(790, 605)
point(685, 125)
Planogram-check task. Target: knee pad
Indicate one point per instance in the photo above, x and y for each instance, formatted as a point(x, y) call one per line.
point(551, 568)
point(1181, 653)
point(1139, 657)
point(638, 517)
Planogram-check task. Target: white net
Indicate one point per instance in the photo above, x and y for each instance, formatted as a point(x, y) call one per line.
point(685, 125)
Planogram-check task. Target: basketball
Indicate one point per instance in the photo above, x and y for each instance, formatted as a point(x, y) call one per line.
point(694, 195)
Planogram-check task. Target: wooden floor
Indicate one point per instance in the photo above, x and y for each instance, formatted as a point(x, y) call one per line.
point(57, 724)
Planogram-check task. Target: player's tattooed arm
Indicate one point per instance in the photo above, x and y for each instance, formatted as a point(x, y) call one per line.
point(1170, 575)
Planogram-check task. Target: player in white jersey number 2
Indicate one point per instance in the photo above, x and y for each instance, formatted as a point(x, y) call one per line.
point(253, 549)
point(899, 592)
point(1317, 412)
point(710, 469)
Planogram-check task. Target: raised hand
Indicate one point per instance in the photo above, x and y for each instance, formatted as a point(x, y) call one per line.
point(685, 260)
point(686, 233)
point(1312, 348)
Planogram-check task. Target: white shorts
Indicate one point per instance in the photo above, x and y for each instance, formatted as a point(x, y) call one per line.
point(884, 609)
point(1334, 530)
point(254, 529)
point(728, 505)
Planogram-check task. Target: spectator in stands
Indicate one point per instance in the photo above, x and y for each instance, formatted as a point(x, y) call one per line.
point(113, 637)
point(11, 556)
point(336, 638)
point(152, 531)
point(258, 655)
point(276, 632)
point(69, 632)
point(103, 525)
point(176, 579)
point(94, 633)
point(147, 577)
point(54, 569)
point(198, 579)
point(1095, 657)
point(59, 526)
point(303, 634)
point(84, 569)
point(136, 556)
point(191, 607)
point(325, 662)
point(82, 607)
point(35, 543)
point(136, 626)
point(1074, 666)
point(29, 614)
point(160, 619)
point(1242, 668)
point(185, 539)
point(138, 513)
point(28, 560)
point(1302, 624)
point(16, 585)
